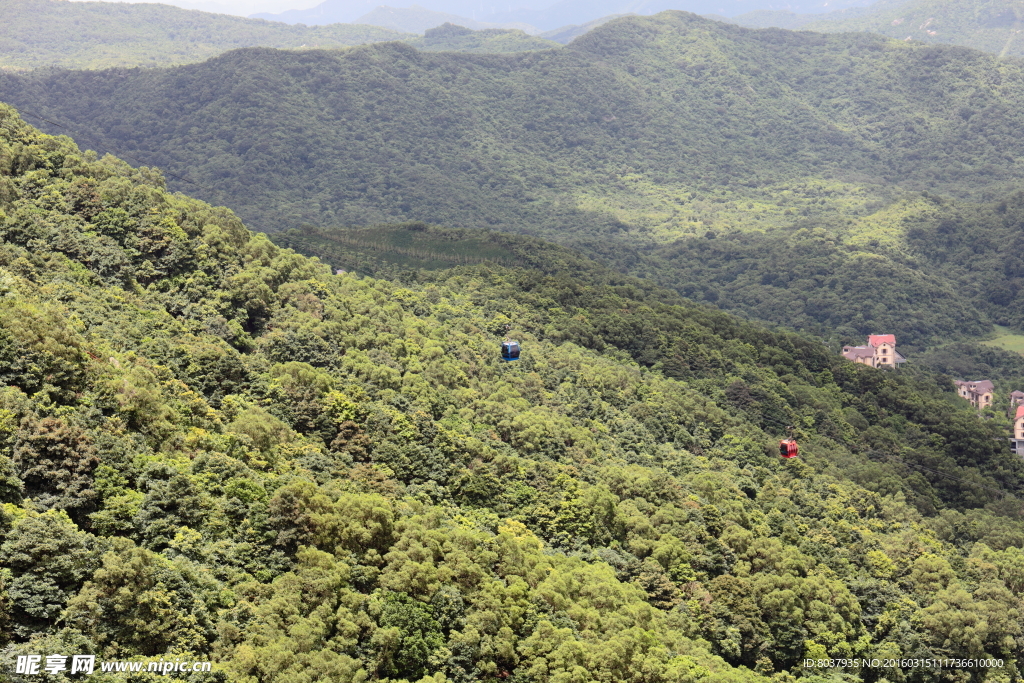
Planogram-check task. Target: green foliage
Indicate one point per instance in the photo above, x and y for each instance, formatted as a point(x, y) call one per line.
point(360, 489)
point(644, 129)
point(407, 637)
point(48, 558)
point(55, 462)
point(138, 602)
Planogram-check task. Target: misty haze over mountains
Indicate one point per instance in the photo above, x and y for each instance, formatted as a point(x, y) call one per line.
point(546, 16)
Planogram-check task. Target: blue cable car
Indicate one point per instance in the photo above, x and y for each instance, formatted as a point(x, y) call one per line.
point(510, 350)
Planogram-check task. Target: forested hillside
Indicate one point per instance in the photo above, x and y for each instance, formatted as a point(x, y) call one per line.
point(806, 279)
point(214, 448)
point(927, 269)
point(646, 128)
point(99, 35)
point(779, 175)
point(936, 269)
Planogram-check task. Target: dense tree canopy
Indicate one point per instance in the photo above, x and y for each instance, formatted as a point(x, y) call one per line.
point(644, 128)
point(303, 476)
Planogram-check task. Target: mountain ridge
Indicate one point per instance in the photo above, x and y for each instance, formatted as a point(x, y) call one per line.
point(979, 24)
point(93, 35)
point(678, 106)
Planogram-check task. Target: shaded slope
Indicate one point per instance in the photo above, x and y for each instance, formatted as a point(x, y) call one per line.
point(936, 271)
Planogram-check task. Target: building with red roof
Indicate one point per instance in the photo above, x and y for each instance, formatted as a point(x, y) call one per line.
point(880, 351)
point(879, 339)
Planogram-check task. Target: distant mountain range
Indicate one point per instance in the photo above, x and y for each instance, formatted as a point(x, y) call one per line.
point(546, 16)
point(96, 35)
point(48, 33)
point(990, 25)
point(417, 19)
point(452, 38)
point(555, 25)
point(651, 127)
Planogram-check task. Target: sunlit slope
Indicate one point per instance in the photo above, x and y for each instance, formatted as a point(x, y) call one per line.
point(97, 35)
point(216, 449)
point(657, 125)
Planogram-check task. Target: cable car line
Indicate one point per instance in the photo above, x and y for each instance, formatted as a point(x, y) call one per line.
point(510, 348)
point(943, 474)
point(890, 457)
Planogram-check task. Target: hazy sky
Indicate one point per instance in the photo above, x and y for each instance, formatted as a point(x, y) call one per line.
point(242, 7)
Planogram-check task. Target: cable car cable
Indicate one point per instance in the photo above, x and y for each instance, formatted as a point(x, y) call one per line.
point(764, 418)
point(898, 460)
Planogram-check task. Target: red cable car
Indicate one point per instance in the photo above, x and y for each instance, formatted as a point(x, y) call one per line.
point(788, 448)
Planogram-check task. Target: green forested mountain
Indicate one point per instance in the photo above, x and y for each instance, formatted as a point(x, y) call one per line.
point(655, 126)
point(639, 141)
point(215, 449)
point(98, 35)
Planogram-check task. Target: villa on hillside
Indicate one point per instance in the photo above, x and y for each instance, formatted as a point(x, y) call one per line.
point(1016, 399)
point(880, 351)
point(978, 393)
point(1017, 440)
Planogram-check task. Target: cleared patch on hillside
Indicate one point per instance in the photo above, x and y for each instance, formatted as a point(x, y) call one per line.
point(1007, 340)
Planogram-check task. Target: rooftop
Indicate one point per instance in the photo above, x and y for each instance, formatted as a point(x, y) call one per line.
point(981, 386)
point(877, 339)
point(854, 352)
